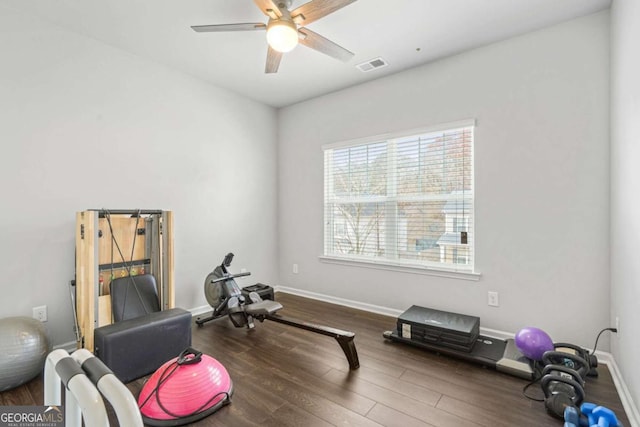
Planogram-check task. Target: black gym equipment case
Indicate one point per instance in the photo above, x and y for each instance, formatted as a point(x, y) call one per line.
point(441, 328)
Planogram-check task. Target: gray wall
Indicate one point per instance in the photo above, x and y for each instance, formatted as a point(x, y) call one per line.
point(542, 180)
point(84, 125)
point(625, 187)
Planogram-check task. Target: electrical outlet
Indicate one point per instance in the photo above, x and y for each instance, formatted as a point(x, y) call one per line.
point(295, 268)
point(492, 299)
point(40, 313)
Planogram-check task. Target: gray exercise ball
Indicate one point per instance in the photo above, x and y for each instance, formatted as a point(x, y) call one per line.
point(23, 349)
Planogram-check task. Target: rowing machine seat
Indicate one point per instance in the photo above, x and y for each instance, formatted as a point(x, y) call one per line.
point(262, 308)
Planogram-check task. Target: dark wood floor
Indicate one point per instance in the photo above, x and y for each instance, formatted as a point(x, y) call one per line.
point(285, 376)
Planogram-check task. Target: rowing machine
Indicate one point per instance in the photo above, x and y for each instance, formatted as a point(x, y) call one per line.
point(227, 299)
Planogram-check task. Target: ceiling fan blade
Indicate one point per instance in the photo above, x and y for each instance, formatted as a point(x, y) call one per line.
point(273, 61)
point(321, 44)
point(316, 9)
point(269, 8)
point(229, 27)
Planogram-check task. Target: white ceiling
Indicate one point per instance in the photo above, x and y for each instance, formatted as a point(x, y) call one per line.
point(406, 33)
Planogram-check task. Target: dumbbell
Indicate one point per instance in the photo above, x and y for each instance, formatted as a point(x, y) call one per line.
point(587, 410)
point(589, 417)
point(572, 417)
point(604, 417)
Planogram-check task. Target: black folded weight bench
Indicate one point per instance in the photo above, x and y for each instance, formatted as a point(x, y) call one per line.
point(142, 336)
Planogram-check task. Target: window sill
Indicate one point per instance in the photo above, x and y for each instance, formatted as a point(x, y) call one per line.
point(404, 268)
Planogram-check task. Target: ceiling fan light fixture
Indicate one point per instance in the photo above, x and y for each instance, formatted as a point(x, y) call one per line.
point(282, 35)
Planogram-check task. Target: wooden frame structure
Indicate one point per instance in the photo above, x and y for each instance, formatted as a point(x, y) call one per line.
point(118, 243)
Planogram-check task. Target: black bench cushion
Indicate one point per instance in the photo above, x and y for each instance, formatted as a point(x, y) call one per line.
point(136, 347)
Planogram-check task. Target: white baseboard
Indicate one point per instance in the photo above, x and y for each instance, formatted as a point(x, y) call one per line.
point(340, 301)
point(197, 311)
point(603, 357)
point(625, 396)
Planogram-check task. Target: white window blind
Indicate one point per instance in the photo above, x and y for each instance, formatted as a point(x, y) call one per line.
point(402, 200)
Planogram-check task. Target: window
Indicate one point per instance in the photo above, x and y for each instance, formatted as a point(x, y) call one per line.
point(403, 199)
point(460, 223)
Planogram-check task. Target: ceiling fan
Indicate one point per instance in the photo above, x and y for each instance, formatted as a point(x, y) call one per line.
point(285, 30)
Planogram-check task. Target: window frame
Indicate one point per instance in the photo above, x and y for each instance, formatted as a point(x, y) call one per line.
point(388, 263)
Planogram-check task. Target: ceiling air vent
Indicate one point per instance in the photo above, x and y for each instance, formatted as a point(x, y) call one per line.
point(372, 64)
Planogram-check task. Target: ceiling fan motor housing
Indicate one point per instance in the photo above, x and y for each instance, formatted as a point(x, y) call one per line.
point(287, 28)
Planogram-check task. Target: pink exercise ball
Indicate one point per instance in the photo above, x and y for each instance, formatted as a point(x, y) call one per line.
point(181, 394)
point(533, 342)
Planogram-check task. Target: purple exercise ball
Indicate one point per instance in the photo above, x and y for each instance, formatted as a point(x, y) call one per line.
point(533, 342)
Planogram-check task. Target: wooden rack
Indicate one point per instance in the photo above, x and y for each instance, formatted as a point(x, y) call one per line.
point(118, 243)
